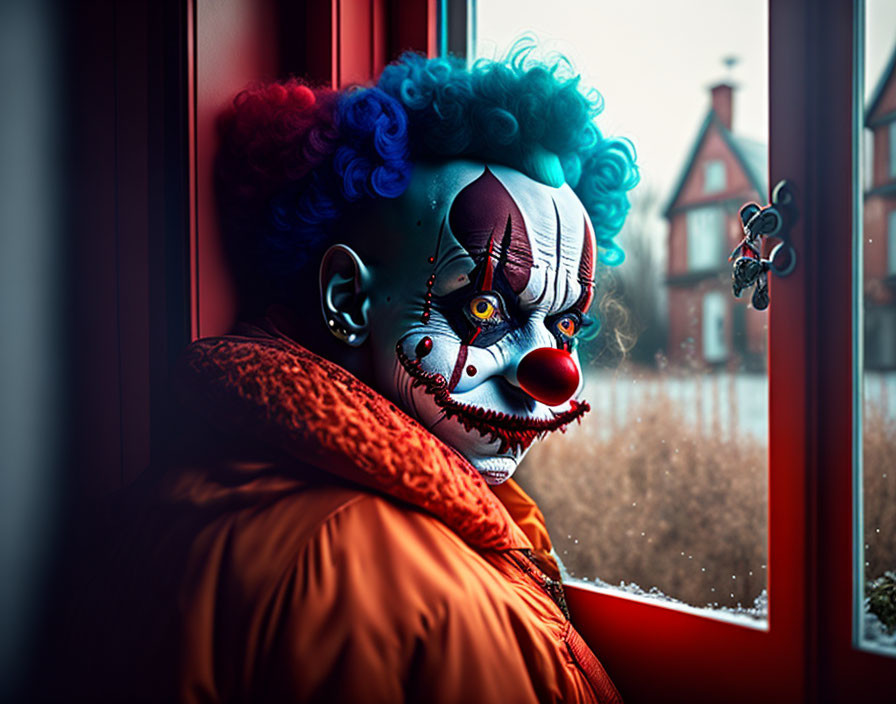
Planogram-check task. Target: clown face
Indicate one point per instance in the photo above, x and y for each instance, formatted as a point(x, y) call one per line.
point(478, 288)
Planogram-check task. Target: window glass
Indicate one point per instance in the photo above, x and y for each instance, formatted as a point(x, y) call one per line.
point(891, 243)
point(868, 156)
point(662, 490)
point(876, 603)
point(706, 238)
point(714, 347)
point(893, 148)
point(715, 176)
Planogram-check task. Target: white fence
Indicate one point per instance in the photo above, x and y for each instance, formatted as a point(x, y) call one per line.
point(719, 403)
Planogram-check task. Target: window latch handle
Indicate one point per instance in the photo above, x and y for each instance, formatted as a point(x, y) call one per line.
point(749, 268)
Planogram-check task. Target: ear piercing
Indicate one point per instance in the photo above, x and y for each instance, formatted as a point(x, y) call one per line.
point(341, 333)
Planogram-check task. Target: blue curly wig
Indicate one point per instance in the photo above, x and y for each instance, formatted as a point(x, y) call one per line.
point(294, 160)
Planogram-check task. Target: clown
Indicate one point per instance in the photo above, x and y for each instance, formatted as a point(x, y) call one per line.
point(459, 209)
point(477, 337)
point(337, 519)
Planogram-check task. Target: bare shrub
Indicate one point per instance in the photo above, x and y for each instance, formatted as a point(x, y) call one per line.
point(656, 504)
point(879, 467)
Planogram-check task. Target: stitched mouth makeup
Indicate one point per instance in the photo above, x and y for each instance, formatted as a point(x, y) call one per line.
point(478, 321)
point(515, 433)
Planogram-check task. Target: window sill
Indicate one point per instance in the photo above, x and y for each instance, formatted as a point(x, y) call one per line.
point(664, 602)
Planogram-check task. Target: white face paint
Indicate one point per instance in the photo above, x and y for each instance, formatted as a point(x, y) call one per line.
point(480, 266)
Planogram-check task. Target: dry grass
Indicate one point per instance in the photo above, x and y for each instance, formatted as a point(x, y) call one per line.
point(879, 459)
point(659, 506)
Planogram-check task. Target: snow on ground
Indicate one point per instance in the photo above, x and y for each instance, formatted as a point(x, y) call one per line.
point(874, 633)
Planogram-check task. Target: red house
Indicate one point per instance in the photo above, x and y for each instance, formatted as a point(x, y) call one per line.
point(880, 224)
point(707, 325)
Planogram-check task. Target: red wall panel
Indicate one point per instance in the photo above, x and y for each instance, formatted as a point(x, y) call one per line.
point(233, 47)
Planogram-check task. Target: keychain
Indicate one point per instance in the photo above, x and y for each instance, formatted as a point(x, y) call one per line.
point(749, 268)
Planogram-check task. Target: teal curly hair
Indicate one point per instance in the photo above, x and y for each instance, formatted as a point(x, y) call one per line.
point(523, 113)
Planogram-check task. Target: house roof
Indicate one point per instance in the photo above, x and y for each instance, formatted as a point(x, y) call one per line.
point(879, 89)
point(753, 156)
point(750, 154)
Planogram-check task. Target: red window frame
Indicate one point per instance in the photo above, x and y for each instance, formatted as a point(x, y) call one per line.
point(229, 45)
point(654, 652)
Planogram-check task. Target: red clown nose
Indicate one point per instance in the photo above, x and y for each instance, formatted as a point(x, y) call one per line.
point(548, 375)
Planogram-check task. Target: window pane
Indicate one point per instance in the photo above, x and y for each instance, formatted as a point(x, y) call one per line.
point(877, 624)
point(706, 238)
point(715, 176)
point(891, 240)
point(714, 347)
point(663, 487)
point(892, 170)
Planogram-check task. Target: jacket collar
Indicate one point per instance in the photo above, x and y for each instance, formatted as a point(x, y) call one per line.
point(265, 385)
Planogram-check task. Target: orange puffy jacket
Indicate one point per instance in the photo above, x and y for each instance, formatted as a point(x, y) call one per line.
point(312, 543)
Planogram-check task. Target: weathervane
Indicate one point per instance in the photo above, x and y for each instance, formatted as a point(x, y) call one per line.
point(730, 61)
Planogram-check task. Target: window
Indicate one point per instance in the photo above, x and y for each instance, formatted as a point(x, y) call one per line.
point(714, 176)
point(706, 238)
point(891, 243)
point(715, 349)
point(875, 440)
point(868, 157)
point(892, 136)
point(808, 652)
point(664, 485)
point(880, 361)
point(809, 475)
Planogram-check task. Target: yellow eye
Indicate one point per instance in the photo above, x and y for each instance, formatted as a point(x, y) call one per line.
point(568, 326)
point(483, 309)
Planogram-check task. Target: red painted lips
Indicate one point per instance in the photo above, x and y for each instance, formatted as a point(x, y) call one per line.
point(514, 432)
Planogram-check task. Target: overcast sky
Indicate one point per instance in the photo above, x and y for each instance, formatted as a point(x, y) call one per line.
point(880, 37)
point(653, 61)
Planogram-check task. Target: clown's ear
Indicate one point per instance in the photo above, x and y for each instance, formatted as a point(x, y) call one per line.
point(344, 294)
